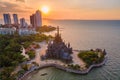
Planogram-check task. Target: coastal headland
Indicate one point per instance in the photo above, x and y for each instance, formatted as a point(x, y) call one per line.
point(61, 67)
point(77, 61)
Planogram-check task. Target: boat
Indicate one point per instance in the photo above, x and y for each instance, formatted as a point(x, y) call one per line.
point(43, 74)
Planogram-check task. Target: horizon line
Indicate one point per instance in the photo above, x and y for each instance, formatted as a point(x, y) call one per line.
point(78, 19)
point(82, 19)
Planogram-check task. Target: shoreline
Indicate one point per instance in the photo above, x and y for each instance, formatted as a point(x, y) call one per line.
point(31, 72)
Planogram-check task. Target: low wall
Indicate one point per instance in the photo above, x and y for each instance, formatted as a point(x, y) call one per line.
point(65, 68)
point(72, 70)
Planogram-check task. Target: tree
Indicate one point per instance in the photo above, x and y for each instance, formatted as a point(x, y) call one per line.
point(6, 74)
point(31, 54)
point(90, 57)
point(24, 67)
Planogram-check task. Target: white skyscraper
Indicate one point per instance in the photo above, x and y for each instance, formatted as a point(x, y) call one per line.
point(38, 16)
point(15, 17)
point(36, 19)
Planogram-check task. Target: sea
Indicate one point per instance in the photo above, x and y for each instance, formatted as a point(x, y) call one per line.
point(84, 35)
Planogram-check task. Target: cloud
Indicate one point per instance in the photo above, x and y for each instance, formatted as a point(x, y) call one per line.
point(21, 0)
point(13, 7)
point(22, 9)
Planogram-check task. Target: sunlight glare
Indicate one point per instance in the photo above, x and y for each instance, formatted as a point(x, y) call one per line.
point(45, 9)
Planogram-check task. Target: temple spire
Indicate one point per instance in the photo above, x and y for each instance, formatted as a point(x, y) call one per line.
point(57, 29)
point(58, 38)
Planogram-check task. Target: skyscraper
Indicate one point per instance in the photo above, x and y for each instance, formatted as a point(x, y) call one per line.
point(7, 19)
point(33, 20)
point(22, 22)
point(36, 19)
point(15, 17)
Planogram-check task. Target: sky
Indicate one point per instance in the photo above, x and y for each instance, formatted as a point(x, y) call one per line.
point(64, 9)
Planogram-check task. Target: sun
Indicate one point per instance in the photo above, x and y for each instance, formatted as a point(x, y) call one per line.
point(45, 9)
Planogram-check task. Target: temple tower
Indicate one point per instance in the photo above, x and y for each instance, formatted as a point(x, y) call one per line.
point(58, 38)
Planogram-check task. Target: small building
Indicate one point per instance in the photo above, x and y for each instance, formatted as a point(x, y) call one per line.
point(26, 31)
point(9, 31)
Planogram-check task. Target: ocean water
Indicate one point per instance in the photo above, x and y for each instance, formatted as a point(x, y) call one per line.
point(87, 35)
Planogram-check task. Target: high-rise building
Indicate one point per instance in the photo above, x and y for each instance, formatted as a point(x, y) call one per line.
point(22, 22)
point(7, 19)
point(15, 17)
point(36, 19)
point(33, 20)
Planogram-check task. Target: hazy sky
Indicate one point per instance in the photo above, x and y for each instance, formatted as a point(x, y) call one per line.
point(64, 9)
